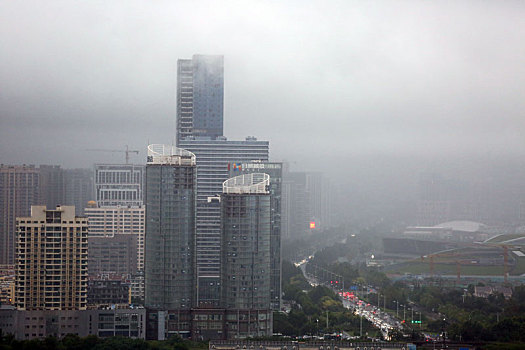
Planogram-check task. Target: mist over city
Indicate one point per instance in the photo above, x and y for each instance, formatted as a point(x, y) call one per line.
point(378, 144)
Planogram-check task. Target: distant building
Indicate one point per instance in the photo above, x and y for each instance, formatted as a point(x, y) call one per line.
point(486, 291)
point(19, 190)
point(114, 221)
point(171, 181)
point(137, 288)
point(108, 293)
point(305, 203)
point(200, 96)
point(213, 156)
point(79, 188)
point(112, 256)
point(51, 260)
point(246, 223)
point(119, 185)
point(7, 289)
point(52, 186)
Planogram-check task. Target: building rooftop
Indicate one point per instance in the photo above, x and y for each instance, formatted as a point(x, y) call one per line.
point(247, 183)
point(462, 225)
point(166, 154)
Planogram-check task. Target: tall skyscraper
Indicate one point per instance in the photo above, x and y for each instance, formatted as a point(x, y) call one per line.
point(51, 260)
point(246, 231)
point(200, 95)
point(171, 177)
point(213, 156)
point(19, 189)
point(275, 171)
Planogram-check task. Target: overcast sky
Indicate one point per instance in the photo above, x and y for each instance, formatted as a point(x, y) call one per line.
point(353, 78)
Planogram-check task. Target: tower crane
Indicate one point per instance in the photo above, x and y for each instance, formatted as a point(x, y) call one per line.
point(127, 151)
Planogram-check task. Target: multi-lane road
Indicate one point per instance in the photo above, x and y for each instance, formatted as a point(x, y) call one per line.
point(382, 320)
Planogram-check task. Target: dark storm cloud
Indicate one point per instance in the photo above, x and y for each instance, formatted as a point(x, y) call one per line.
point(315, 78)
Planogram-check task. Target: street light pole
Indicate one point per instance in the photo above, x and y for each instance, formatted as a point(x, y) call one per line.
point(361, 326)
point(397, 309)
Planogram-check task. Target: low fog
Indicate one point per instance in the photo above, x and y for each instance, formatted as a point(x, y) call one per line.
point(371, 93)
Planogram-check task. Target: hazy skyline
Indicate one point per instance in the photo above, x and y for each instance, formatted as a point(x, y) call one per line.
point(316, 79)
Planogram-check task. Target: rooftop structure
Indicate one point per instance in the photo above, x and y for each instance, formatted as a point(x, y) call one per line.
point(165, 154)
point(247, 183)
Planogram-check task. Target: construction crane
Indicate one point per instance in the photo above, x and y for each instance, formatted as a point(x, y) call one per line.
point(127, 151)
point(453, 256)
point(444, 254)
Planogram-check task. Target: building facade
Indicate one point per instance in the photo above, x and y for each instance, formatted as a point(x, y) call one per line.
point(52, 186)
point(246, 231)
point(51, 260)
point(112, 257)
point(19, 190)
point(119, 185)
point(109, 222)
point(171, 184)
point(200, 96)
point(31, 324)
point(108, 293)
point(305, 203)
point(79, 188)
point(213, 156)
point(275, 171)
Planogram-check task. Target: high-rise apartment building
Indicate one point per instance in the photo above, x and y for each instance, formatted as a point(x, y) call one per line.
point(119, 185)
point(171, 181)
point(275, 171)
point(200, 95)
point(213, 156)
point(19, 189)
point(246, 231)
point(51, 260)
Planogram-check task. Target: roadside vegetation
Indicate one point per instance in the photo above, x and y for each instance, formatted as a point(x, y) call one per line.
point(311, 307)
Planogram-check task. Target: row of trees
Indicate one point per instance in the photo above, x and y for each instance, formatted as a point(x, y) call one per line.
point(466, 317)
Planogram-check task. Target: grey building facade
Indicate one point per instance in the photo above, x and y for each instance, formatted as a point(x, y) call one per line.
point(19, 189)
point(200, 95)
point(274, 169)
point(246, 231)
point(79, 188)
point(171, 181)
point(32, 324)
point(213, 157)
